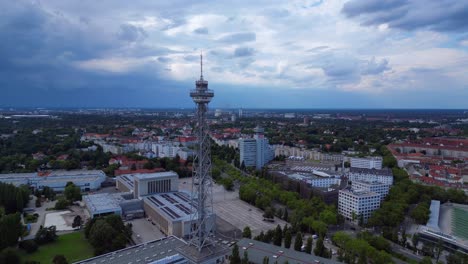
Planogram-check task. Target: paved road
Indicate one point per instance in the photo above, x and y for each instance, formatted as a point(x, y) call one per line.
point(40, 221)
point(404, 251)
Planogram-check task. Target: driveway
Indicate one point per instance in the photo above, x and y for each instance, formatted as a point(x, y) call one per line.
point(41, 219)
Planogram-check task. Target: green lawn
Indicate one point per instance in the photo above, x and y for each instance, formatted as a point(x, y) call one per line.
point(73, 246)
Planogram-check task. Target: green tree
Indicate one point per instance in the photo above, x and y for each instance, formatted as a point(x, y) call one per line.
point(426, 260)
point(19, 201)
point(9, 256)
point(298, 242)
point(308, 248)
point(46, 235)
point(421, 213)
point(247, 233)
point(235, 257)
point(59, 259)
point(10, 230)
point(77, 221)
point(61, 204)
point(245, 259)
point(287, 239)
point(278, 236)
point(72, 192)
point(101, 237)
point(285, 216)
point(320, 249)
point(329, 217)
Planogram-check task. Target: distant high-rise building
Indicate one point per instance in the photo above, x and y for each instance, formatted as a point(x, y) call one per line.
point(256, 151)
point(233, 118)
point(240, 113)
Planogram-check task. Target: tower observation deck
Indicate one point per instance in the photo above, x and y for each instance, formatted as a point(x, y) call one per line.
point(202, 182)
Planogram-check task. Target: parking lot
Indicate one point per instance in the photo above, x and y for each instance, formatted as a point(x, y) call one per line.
point(236, 212)
point(144, 231)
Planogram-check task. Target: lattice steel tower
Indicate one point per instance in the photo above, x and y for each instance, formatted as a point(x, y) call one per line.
point(202, 201)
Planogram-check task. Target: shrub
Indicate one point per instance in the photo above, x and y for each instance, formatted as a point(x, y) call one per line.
point(61, 204)
point(28, 245)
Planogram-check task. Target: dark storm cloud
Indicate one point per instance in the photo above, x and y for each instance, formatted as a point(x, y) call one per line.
point(131, 33)
point(40, 51)
point(244, 52)
point(239, 37)
point(437, 15)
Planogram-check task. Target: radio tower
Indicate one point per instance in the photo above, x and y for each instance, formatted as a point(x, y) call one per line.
point(202, 201)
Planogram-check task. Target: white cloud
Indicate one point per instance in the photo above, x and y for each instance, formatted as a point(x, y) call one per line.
point(287, 44)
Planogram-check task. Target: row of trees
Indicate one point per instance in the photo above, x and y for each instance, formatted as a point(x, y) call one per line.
point(283, 237)
point(10, 229)
point(307, 215)
point(13, 199)
point(359, 250)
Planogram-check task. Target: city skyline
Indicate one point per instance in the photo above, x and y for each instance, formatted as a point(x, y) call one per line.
point(323, 54)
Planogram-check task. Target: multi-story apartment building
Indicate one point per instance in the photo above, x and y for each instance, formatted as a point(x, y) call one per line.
point(357, 204)
point(367, 163)
point(255, 152)
point(375, 186)
point(384, 175)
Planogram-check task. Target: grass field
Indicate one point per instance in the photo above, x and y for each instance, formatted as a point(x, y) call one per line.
point(460, 223)
point(73, 246)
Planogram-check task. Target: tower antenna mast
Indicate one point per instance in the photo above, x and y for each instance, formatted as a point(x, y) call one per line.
point(202, 199)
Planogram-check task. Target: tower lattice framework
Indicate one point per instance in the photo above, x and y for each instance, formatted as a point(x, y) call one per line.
point(202, 199)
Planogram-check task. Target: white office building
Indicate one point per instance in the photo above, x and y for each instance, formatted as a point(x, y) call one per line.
point(384, 176)
point(256, 151)
point(356, 204)
point(377, 187)
point(315, 179)
point(367, 163)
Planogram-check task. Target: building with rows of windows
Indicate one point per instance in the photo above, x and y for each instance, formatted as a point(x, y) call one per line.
point(357, 204)
point(366, 163)
point(256, 151)
point(375, 186)
point(358, 174)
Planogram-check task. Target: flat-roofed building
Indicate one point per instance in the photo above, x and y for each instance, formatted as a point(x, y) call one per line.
point(367, 163)
point(87, 180)
point(375, 186)
point(356, 204)
point(358, 174)
point(142, 184)
point(257, 251)
point(256, 151)
point(163, 204)
point(158, 251)
point(173, 213)
point(122, 204)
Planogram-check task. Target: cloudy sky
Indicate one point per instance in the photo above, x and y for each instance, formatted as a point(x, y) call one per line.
point(264, 54)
